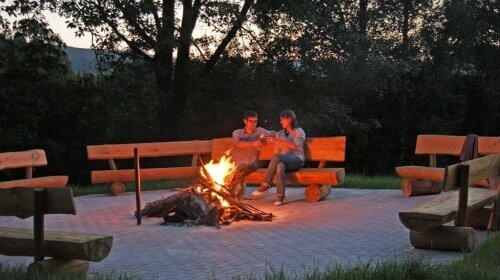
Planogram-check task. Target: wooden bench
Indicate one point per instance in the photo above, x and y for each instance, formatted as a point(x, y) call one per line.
point(317, 149)
point(426, 222)
point(417, 180)
point(70, 251)
point(116, 177)
point(28, 160)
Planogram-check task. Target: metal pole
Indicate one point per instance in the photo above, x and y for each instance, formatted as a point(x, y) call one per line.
point(137, 168)
point(38, 228)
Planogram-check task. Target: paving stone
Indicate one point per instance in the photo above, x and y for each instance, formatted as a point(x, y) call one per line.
point(349, 227)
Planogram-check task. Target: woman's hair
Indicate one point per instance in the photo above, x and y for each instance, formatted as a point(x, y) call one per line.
point(289, 114)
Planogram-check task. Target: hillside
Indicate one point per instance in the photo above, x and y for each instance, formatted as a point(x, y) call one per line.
point(82, 60)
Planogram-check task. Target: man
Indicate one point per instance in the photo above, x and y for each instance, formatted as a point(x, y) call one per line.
point(247, 143)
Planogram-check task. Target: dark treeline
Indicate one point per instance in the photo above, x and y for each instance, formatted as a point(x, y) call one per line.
point(379, 72)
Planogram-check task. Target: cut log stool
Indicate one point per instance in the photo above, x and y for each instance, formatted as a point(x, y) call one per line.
point(315, 192)
point(413, 187)
point(445, 238)
point(117, 188)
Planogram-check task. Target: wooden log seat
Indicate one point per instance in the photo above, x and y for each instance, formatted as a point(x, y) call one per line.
point(29, 160)
point(115, 176)
point(317, 149)
point(426, 221)
point(415, 179)
point(71, 251)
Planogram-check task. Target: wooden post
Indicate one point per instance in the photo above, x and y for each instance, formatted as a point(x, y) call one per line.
point(433, 163)
point(494, 218)
point(38, 228)
point(137, 167)
point(479, 219)
point(194, 160)
point(29, 172)
point(116, 188)
point(111, 163)
point(463, 193)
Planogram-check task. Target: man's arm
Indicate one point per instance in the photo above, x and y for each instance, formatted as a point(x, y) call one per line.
point(240, 144)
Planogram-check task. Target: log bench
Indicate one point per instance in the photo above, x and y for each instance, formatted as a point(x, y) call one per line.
point(116, 177)
point(70, 251)
point(317, 149)
point(419, 180)
point(426, 222)
point(318, 180)
point(29, 160)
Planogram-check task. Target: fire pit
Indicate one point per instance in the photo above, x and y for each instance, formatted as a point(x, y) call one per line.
point(207, 201)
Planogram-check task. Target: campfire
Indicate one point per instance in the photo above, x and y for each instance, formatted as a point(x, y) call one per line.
point(207, 201)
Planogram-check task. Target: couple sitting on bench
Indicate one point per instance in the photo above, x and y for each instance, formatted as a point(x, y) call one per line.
point(288, 152)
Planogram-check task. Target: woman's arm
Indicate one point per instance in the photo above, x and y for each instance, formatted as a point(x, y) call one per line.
point(282, 142)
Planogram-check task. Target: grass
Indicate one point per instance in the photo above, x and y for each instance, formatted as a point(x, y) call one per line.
point(355, 181)
point(483, 263)
point(358, 181)
point(130, 187)
point(21, 272)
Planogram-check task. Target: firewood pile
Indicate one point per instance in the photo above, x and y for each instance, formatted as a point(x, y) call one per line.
point(204, 202)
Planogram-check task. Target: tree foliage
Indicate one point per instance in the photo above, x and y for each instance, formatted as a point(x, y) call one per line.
point(380, 72)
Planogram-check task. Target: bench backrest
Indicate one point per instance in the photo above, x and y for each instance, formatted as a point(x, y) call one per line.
point(27, 159)
point(331, 149)
point(488, 145)
point(439, 145)
point(157, 149)
point(462, 175)
point(452, 145)
point(20, 202)
point(478, 169)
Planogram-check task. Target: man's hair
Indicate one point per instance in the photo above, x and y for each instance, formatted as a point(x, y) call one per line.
point(289, 114)
point(250, 114)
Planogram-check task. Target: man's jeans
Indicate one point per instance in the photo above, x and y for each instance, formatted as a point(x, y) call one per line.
point(280, 164)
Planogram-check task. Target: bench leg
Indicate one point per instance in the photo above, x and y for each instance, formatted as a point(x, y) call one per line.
point(445, 238)
point(38, 222)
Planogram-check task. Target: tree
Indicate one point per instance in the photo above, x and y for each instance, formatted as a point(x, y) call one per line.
point(150, 31)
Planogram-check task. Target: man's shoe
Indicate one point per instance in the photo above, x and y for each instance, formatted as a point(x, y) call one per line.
point(279, 201)
point(264, 187)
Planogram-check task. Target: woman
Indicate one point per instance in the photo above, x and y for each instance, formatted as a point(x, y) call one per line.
point(288, 155)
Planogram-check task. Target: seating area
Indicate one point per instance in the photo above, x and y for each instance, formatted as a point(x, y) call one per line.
point(29, 160)
point(421, 180)
point(37, 197)
point(426, 222)
point(318, 149)
point(469, 208)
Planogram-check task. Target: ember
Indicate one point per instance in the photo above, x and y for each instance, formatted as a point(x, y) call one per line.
point(208, 201)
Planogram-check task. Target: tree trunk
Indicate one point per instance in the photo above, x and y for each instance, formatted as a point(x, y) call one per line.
point(242, 16)
point(163, 66)
point(362, 16)
point(174, 115)
point(407, 7)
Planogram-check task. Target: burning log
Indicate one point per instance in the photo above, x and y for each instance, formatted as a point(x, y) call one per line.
point(206, 202)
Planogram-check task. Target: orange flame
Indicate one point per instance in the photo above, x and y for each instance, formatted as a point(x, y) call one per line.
point(219, 173)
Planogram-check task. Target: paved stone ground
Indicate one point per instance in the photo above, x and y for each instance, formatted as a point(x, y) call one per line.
point(349, 227)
